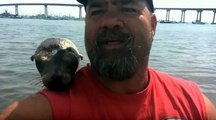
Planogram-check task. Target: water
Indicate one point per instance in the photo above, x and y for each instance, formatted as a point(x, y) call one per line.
point(184, 50)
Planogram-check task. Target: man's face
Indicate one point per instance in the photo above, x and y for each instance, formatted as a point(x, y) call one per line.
point(118, 36)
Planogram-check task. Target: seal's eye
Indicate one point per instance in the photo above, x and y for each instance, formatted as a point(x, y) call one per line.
point(53, 52)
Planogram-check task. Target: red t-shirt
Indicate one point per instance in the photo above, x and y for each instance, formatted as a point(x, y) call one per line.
point(165, 97)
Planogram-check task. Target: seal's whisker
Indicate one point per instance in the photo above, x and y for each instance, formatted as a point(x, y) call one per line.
point(41, 85)
point(37, 81)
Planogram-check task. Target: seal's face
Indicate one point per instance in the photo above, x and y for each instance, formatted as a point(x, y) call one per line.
point(57, 62)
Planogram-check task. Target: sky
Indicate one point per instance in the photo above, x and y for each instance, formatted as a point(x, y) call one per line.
point(207, 16)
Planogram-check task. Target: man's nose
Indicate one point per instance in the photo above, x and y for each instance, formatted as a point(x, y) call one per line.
point(111, 19)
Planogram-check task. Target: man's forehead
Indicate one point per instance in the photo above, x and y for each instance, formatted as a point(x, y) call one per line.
point(149, 2)
point(113, 1)
point(121, 1)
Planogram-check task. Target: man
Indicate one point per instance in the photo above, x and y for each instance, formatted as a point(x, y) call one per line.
point(118, 84)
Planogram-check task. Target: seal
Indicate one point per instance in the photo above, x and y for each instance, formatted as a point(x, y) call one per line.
point(57, 60)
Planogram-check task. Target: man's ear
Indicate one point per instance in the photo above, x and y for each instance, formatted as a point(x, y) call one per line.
point(153, 23)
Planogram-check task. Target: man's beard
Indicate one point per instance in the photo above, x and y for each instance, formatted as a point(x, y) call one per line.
point(118, 64)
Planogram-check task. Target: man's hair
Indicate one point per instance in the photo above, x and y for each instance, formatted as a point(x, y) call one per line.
point(149, 2)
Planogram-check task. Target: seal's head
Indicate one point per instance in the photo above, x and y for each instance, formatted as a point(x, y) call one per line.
point(57, 60)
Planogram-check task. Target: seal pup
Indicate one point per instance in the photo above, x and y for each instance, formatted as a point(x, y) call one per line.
point(57, 60)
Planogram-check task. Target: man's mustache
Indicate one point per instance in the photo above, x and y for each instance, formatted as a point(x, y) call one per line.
point(110, 34)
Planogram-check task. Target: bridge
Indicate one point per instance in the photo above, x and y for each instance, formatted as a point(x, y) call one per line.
point(183, 10)
point(45, 7)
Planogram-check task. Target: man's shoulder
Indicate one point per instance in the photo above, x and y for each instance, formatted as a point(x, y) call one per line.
point(84, 74)
point(166, 76)
point(85, 70)
point(178, 91)
point(171, 81)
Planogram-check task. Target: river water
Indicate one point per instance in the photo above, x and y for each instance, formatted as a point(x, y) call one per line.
point(184, 50)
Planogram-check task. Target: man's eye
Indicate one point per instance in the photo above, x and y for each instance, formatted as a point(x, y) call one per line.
point(97, 12)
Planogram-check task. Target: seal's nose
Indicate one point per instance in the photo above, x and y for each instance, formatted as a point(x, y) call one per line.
point(64, 61)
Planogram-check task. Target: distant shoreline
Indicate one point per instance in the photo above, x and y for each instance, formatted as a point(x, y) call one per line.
point(6, 14)
point(44, 18)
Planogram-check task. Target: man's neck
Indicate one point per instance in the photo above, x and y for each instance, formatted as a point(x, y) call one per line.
point(136, 84)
